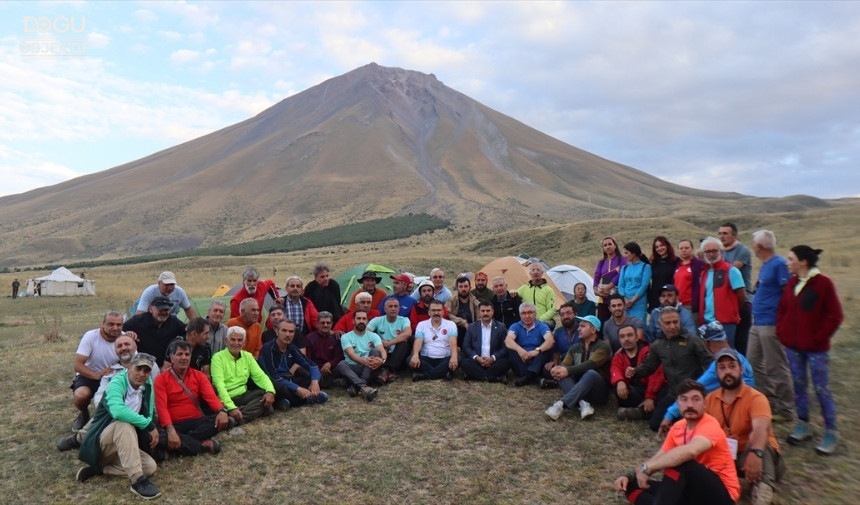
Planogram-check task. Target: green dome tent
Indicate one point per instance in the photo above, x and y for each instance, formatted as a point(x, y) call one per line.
point(348, 280)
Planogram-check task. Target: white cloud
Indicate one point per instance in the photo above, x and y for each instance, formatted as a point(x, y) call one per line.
point(184, 56)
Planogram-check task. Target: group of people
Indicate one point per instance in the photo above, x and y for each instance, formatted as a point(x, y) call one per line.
point(163, 387)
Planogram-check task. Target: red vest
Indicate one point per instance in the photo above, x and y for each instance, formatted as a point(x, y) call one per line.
point(725, 299)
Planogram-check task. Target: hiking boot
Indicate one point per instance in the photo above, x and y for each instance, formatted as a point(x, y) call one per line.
point(352, 391)
point(81, 421)
point(418, 376)
point(449, 375)
point(630, 414)
point(68, 443)
point(547, 383)
point(555, 410)
point(524, 380)
point(211, 446)
point(585, 409)
point(828, 444)
point(762, 494)
point(87, 472)
point(145, 489)
point(368, 393)
point(800, 434)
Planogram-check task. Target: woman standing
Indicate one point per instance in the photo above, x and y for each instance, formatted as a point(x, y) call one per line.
point(808, 316)
point(687, 277)
point(663, 265)
point(584, 306)
point(606, 276)
point(633, 281)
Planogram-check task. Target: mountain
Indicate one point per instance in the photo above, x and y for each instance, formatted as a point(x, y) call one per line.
point(372, 143)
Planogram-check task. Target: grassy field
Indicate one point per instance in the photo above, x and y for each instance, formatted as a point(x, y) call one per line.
point(439, 442)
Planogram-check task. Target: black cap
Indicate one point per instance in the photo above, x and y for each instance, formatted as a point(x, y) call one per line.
point(161, 302)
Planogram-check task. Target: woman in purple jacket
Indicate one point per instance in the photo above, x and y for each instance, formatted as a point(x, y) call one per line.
point(606, 276)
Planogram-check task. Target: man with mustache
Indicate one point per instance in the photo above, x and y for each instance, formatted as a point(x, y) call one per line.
point(166, 286)
point(364, 356)
point(695, 458)
point(745, 416)
point(253, 287)
point(156, 328)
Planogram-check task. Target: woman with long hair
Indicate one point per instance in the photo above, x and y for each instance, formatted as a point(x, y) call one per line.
point(633, 281)
point(687, 276)
point(808, 316)
point(663, 265)
point(606, 276)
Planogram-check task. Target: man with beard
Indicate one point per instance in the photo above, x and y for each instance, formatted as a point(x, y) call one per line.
point(396, 334)
point(565, 336)
point(636, 398)
point(695, 458)
point(440, 292)
point(481, 291)
point(538, 293)
point(485, 357)
point(421, 310)
point(434, 353)
point(217, 332)
point(233, 369)
point(745, 416)
point(528, 342)
point(253, 287)
point(619, 318)
point(166, 286)
point(125, 348)
point(369, 281)
point(722, 290)
point(506, 306)
point(295, 377)
point(249, 320)
point(93, 360)
point(463, 308)
point(669, 298)
point(401, 294)
point(583, 375)
point(740, 257)
point(156, 328)
point(682, 355)
point(364, 356)
point(276, 315)
point(715, 341)
point(179, 393)
point(347, 323)
point(324, 291)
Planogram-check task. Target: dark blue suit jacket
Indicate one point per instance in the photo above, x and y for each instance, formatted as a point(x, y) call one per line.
point(472, 340)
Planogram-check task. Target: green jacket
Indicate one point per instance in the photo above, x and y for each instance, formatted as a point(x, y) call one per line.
point(113, 408)
point(682, 357)
point(230, 376)
point(597, 358)
point(542, 296)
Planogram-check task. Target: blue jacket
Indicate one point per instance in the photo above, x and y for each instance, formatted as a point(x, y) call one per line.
point(271, 356)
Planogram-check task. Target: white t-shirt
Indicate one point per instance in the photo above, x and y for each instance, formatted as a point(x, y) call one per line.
point(435, 343)
point(99, 352)
point(178, 297)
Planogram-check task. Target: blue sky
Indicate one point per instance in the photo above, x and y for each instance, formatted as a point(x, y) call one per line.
point(755, 97)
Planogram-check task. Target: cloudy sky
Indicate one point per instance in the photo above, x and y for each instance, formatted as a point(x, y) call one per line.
point(762, 98)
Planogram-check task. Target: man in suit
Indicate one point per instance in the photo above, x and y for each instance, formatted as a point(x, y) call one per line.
point(485, 356)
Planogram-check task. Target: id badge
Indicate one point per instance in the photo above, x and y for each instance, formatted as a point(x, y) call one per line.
point(733, 446)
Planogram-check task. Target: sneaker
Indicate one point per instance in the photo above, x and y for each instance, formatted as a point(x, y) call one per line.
point(282, 405)
point(547, 383)
point(352, 391)
point(555, 410)
point(762, 494)
point(145, 489)
point(524, 380)
point(81, 421)
point(68, 443)
point(585, 409)
point(320, 398)
point(368, 393)
point(211, 446)
point(87, 472)
point(418, 376)
point(630, 414)
point(828, 444)
point(800, 434)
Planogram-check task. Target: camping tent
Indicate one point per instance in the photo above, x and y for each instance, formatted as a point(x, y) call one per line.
point(348, 281)
point(567, 276)
point(516, 273)
point(61, 282)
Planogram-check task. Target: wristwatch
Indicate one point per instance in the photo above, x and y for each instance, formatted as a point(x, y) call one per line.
point(758, 452)
point(644, 469)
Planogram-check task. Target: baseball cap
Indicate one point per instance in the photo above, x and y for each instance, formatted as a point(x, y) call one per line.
point(167, 277)
point(161, 302)
point(591, 320)
point(727, 351)
point(401, 277)
point(712, 332)
point(143, 359)
point(669, 287)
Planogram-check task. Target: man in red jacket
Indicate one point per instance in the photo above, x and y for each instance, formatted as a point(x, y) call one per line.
point(636, 397)
point(253, 287)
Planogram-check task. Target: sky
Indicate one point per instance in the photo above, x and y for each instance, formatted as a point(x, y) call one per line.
point(761, 98)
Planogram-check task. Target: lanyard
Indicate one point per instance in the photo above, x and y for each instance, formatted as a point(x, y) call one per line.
point(727, 418)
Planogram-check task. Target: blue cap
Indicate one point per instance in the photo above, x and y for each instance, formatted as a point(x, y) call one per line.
point(712, 332)
point(591, 320)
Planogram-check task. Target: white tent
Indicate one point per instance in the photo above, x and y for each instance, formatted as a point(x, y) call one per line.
point(61, 282)
point(567, 276)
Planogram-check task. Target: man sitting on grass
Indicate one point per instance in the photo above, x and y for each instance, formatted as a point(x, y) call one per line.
point(529, 342)
point(364, 356)
point(295, 377)
point(434, 353)
point(232, 369)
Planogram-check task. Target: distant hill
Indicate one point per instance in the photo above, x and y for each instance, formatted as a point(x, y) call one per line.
point(372, 143)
